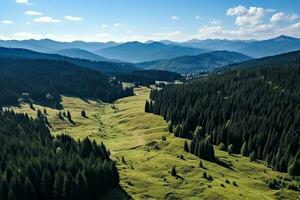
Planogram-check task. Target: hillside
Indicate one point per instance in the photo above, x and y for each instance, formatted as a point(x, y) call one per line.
point(47, 45)
point(286, 59)
point(281, 44)
point(107, 67)
point(145, 152)
point(149, 77)
point(82, 54)
point(37, 166)
point(43, 81)
point(193, 64)
point(253, 48)
point(142, 52)
point(254, 112)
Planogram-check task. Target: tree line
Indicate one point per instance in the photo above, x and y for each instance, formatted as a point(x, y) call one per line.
point(43, 81)
point(35, 165)
point(255, 112)
point(148, 77)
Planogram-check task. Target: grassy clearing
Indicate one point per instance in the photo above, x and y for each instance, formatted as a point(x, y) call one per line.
point(136, 136)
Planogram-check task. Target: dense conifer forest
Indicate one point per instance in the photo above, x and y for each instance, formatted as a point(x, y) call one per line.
point(255, 112)
point(149, 77)
point(34, 165)
point(43, 81)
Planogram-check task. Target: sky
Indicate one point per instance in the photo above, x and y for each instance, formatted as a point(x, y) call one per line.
point(143, 20)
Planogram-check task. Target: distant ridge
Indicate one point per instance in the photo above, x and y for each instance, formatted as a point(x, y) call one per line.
point(194, 64)
point(107, 67)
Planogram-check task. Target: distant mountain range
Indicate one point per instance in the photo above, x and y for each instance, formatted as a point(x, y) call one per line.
point(82, 54)
point(253, 48)
point(194, 64)
point(103, 66)
point(47, 45)
point(282, 60)
point(136, 52)
point(141, 52)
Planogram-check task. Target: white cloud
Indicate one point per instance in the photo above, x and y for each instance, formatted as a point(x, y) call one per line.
point(22, 1)
point(104, 25)
point(237, 11)
point(117, 24)
point(216, 22)
point(247, 17)
point(128, 31)
point(72, 18)
point(197, 17)
point(6, 22)
point(261, 31)
point(33, 13)
point(175, 17)
point(27, 23)
point(281, 16)
point(46, 19)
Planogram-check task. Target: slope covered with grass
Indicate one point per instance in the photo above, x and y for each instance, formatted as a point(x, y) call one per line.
point(145, 159)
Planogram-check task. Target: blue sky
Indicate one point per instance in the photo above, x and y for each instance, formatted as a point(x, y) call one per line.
point(142, 20)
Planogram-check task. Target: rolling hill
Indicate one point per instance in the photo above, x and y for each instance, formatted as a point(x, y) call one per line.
point(281, 44)
point(142, 52)
point(285, 59)
point(253, 48)
point(195, 64)
point(107, 67)
point(82, 54)
point(47, 45)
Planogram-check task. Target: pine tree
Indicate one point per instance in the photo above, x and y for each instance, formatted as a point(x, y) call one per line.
point(244, 150)
point(230, 149)
point(83, 114)
point(147, 106)
point(173, 171)
point(69, 116)
point(170, 126)
point(29, 191)
point(186, 146)
point(222, 146)
point(57, 187)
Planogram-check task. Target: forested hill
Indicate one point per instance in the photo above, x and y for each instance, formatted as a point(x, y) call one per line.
point(103, 66)
point(286, 59)
point(43, 81)
point(148, 77)
point(36, 166)
point(255, 112)
point(195, 64)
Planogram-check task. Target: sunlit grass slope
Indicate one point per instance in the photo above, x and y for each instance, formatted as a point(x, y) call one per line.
point(145, 160)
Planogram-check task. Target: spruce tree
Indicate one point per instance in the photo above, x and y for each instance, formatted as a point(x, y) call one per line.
point(147, 106)
point(173, 171)
point(244, 150)
point(186, 146)
point(230, 149)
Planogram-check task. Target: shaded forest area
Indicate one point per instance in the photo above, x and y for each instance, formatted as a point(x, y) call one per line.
point(255, 112)
point(34, 165)
point(43, 81)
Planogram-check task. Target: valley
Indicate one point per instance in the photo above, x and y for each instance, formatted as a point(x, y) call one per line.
point(145, 152)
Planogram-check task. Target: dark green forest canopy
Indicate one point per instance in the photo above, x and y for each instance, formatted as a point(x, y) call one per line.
point(35, 166)
point(148, 77)
point(256, 111)
point(44, 81)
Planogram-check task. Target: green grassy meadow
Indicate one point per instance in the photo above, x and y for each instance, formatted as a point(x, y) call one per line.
point(144, 160)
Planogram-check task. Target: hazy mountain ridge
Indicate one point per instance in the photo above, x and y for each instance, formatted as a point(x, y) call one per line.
point(103, 66)
point(82, 54)
point(193, 64)
point(253, 48)
point(141, 52)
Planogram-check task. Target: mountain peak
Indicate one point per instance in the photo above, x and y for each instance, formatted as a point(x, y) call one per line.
point(284, 37)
